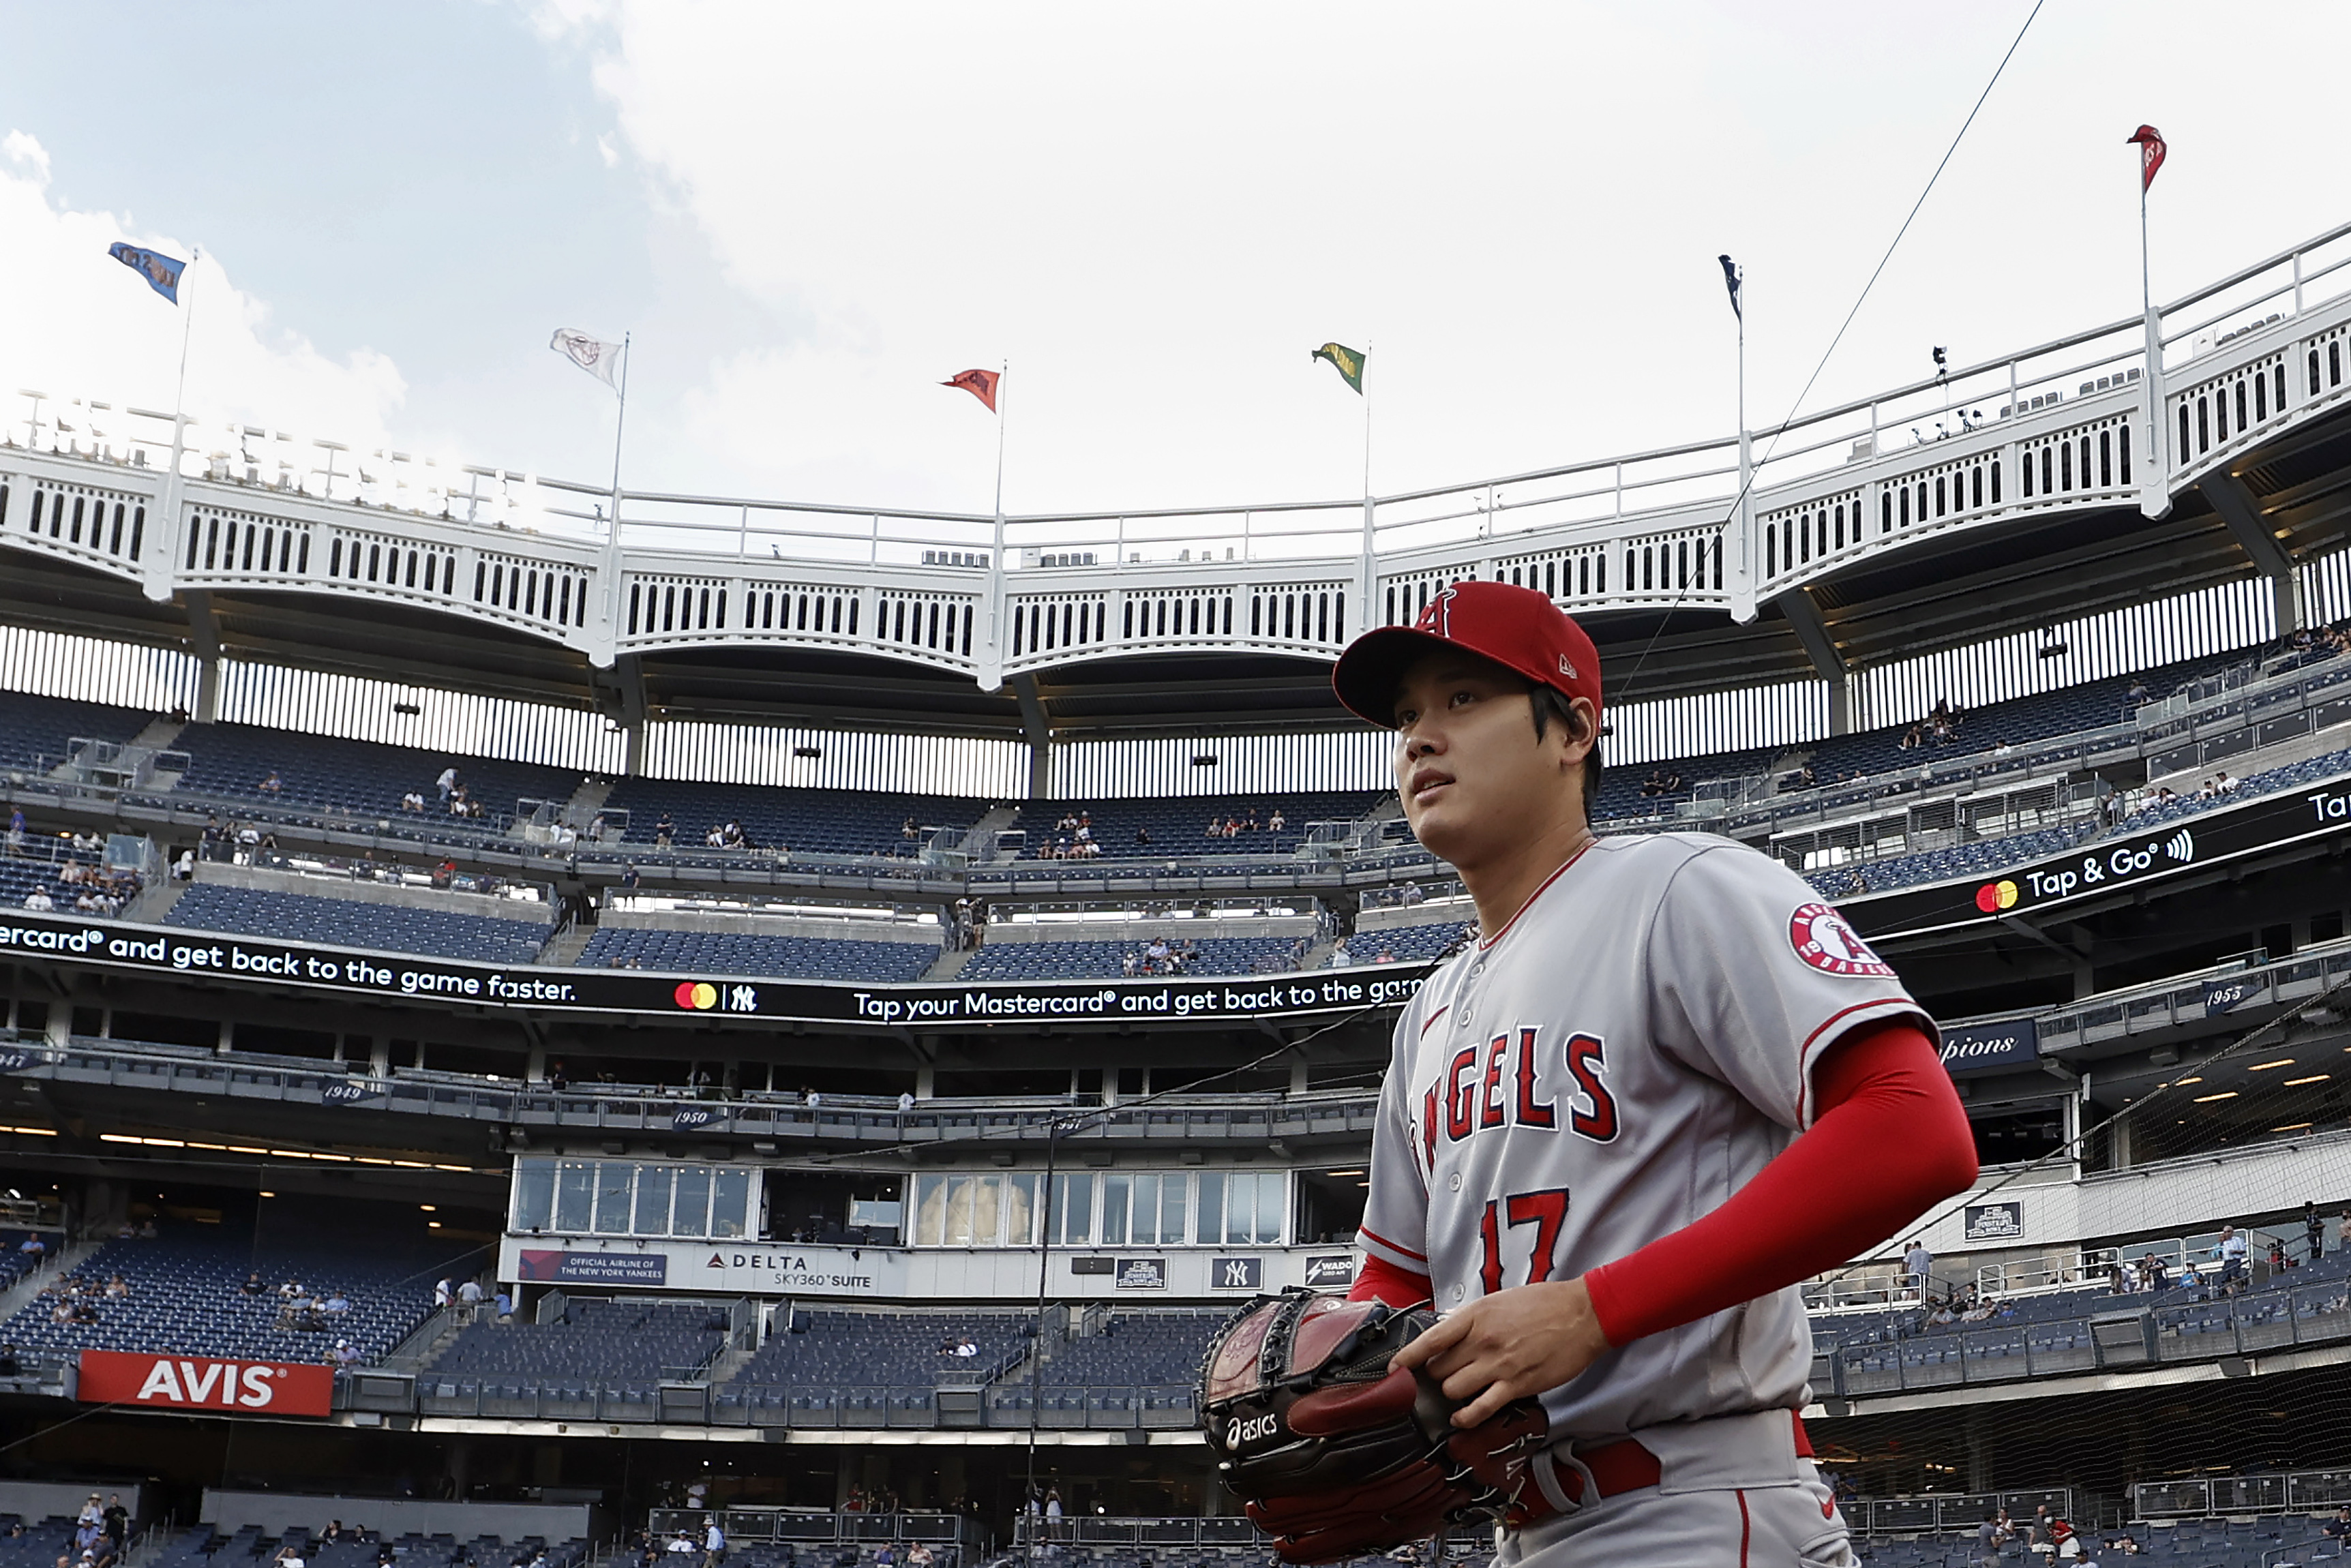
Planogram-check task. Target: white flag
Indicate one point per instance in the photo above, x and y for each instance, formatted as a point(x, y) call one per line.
point(598, 358)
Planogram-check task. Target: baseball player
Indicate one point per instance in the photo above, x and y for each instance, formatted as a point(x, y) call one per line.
point(1666, 1084)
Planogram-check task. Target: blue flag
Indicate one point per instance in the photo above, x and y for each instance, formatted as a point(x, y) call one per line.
point(160, 271)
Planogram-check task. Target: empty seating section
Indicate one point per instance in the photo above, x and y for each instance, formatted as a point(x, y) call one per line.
point(1108, 960)
point(828, 1350)
point(385, 927)
point(806, 821)
point(1622, 785)
point(610, 1344)
point(748, 952)
point(1179, 825)
point(186, 1296)
point(1409, 944)
point(1136, 1349)
point(200, 1546)
point(328, 776)
point(40, 730)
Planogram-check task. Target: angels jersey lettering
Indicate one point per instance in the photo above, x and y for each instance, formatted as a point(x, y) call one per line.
point(1630, 1051)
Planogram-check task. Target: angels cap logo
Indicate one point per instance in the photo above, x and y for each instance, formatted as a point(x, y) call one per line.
point(1822, 940)
point(1438, 616)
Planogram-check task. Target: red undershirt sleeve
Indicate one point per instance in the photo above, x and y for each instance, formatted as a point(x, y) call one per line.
point(1887, 1108)
point(1382, 1280)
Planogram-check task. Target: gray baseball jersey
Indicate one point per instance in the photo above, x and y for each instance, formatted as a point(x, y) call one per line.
point(1621, 1057)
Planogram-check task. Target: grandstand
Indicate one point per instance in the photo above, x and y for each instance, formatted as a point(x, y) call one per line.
point(855, 1046)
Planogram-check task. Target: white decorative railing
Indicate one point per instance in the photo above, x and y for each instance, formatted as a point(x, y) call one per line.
point(2080, 424)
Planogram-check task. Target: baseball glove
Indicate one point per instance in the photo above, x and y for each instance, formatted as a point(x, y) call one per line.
point(1334, 1455)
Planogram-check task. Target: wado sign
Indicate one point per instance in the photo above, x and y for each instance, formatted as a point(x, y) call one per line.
point(2012, 1042)
point(201, 1383)
point(65, 940)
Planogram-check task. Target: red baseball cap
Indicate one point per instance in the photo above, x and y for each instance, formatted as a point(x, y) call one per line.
point(1519, 628)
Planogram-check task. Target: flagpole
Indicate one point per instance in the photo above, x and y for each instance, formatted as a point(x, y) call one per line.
point(158, 584)
point(1367, 571)
point(619, 425)
point(2155, 497)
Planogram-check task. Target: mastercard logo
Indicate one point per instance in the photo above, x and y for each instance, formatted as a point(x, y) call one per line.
point(1992, 898)
point(701, 996)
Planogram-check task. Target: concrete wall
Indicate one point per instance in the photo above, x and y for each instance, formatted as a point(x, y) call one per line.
point(1142, 931)
point(37, 1501)
point(1452, 912)
point(272, 880)
point(744, 922)
point(275, 1511)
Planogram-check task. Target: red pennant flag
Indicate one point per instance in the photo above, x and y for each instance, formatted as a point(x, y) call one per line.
point(981, 384)
point(2149, 142)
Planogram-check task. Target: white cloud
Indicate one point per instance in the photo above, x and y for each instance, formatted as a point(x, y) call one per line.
point(82, 325)
point(610, 153)
point(1155, 213)
point(22, 148)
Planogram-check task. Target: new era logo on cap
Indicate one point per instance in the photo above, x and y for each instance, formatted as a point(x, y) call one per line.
point(1516, 627)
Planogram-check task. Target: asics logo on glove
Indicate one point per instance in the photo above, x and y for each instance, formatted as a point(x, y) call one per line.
point(1239, 1432)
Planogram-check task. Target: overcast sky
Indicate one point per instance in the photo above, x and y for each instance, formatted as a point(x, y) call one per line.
point(809, 217)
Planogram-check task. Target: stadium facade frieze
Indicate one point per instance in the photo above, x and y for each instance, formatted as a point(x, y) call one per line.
point(178, 953)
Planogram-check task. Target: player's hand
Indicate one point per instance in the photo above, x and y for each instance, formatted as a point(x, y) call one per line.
point(1514, 1344)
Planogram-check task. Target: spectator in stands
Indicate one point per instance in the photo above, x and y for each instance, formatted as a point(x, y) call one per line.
point(1052, 1503)
point(273, 785)
point(39, 902)
point(502, 1305)
point(15, 831)
point(447, 782)
point(1988, 1542)
point(1919, 1265)
point(1387, 956)
point(2231, 1252)
point(334, 1533)
point(444, 1292)
point(919, 1556)
point(347, 1355)
point(469, 1299)
point(2339, 1527)
point(1340, 958)
point(10, 1366)
point(337, 1304)
point(253, 1285)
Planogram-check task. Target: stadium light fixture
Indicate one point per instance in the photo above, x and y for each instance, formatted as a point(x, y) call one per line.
point(2313, 1077)
point(2265, 1066)
point(2208, 1098)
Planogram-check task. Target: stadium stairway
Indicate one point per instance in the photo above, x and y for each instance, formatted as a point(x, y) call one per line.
point(562, 950)
point(587, 800)
point(950, 962)
point(994, 820)
point(155, 902)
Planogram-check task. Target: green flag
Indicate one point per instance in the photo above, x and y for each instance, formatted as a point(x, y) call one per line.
point(1347, 361)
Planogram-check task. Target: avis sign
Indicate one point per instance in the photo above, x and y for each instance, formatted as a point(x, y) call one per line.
point(201, 1383)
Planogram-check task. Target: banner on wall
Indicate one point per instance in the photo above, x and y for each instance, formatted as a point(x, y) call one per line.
point(164, 1382)
point(1020, 1004)
point(2127, 862)
point(2012, 1042)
